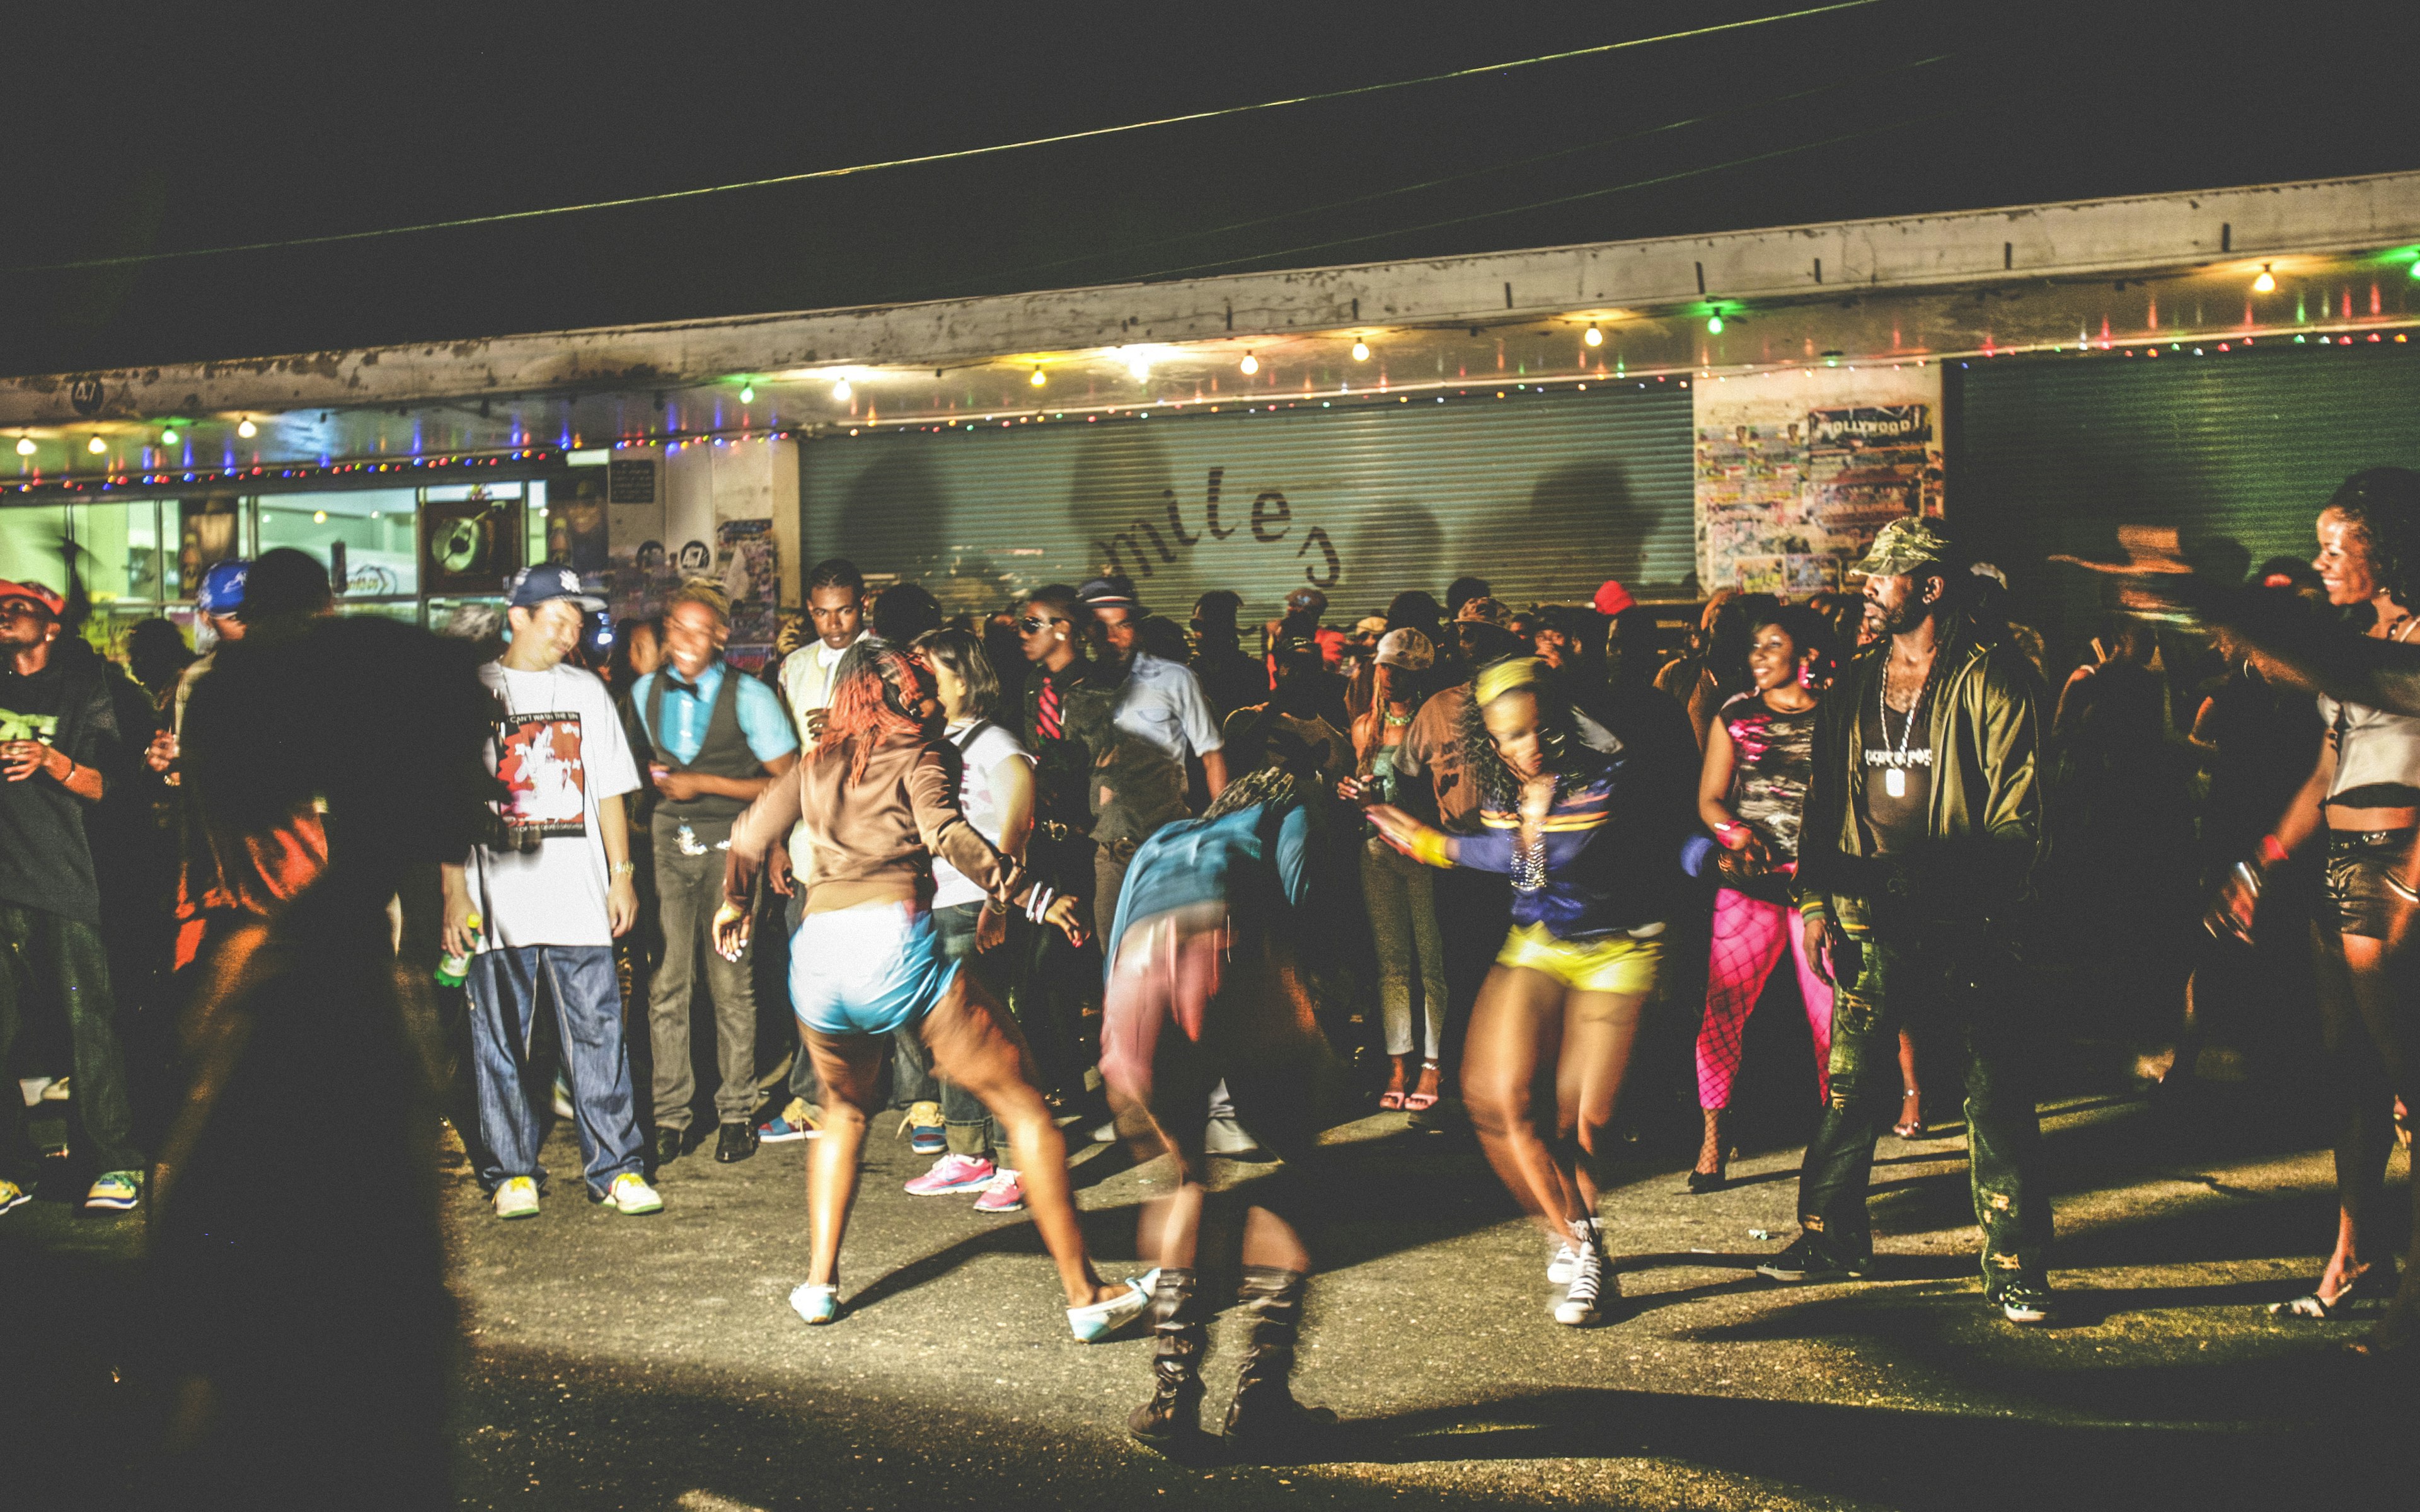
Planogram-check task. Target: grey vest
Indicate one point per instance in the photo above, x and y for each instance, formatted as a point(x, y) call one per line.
point(723, 752)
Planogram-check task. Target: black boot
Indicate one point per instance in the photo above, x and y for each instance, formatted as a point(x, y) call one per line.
point(1174, 1415)
point(1265, 1417)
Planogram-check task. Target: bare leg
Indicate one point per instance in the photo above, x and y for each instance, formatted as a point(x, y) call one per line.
point(1516, 1037)
point(2346, 976)
point(1598, 1030)
point(977, 1046)
point(1911, 1109)
point(848, 1067)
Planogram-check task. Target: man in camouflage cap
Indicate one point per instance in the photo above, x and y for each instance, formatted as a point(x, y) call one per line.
point(1922, 827)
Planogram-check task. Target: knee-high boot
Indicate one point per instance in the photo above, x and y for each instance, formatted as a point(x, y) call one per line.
point(1265, 1413)
point(1174, 1411)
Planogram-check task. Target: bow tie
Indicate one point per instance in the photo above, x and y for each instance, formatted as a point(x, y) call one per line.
point(690, 689)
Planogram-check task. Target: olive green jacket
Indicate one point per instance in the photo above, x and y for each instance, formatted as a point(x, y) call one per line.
point(1988, 833)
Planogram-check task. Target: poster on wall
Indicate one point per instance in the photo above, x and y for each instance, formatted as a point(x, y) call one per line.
point(1797, 470)
point(207, 530)
point(575, 524)
point(469, 546)
point(748, 564)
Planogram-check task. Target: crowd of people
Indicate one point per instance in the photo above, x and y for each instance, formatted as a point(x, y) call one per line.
point(1073, 870)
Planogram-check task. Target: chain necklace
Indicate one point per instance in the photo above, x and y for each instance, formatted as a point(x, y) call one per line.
point(1895, 774)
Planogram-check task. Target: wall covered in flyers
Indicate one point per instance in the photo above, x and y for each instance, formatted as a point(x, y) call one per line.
point(1797, 470)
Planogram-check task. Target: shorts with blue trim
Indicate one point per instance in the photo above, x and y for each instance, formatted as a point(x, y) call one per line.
point(867, 970)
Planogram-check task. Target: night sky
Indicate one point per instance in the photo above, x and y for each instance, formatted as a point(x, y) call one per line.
point(142, 135)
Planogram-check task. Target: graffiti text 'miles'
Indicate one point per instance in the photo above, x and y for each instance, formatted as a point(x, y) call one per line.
point(1139, 549)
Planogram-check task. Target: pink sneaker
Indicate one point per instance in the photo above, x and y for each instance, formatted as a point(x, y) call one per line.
point(952, 1173)
point(1006, 1194)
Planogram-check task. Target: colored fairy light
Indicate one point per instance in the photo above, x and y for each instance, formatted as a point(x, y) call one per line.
point(841, 391)
point(1714, 324)
point(1593, 335)
point(247, 430)
point(1251, 364)
point(2265, 282)
point(1360, 351)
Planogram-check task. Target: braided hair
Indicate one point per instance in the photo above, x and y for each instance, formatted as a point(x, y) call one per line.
point(876, 698)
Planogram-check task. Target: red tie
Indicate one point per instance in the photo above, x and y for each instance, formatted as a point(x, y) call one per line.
point(1046, 717)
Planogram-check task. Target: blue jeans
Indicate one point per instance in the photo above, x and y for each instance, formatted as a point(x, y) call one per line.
point(588, 1019)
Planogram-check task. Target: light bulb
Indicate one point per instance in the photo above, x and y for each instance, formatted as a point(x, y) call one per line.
point(1714, 324)
point(319, 517)
point(1140, 368)
point(1037, 381)
point(24, 446)
point(247, 430)
point(1593, 335)
point(168, 438)
point(96, 446)
point(748, 393)
point(1360, 351)
point(1251, 364)
point(2264, 282)
point(2416, 268)
point(841, 391)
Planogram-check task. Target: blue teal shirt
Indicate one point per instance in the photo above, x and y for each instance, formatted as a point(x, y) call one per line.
point(763, 721)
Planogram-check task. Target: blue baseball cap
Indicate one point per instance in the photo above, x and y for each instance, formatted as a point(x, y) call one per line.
point(222, 590)
point(533, 586)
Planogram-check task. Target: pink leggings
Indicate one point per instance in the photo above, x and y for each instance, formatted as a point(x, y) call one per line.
point(1749, 937)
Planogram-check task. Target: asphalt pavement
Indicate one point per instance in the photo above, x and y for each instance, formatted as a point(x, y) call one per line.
point(652, 1363)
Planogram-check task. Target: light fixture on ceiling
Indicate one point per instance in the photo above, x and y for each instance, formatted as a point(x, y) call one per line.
point(2266, 281)
point(1593, 335)
point(1251, 364)
point(246, 430)
point(1360, 351)
point(24, 446)
point(841, 391)
point(96, 446)
point(1037, 379)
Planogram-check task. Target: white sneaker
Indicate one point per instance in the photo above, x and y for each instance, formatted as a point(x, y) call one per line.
point(517, 1197)
point(1225, 1137)
point(816, 1305)
point(1591, 1284)
point(632, 1194)
point(1563, 1265)
point(1102, 1319)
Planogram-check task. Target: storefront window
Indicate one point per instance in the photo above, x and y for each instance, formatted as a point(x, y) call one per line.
point(364, 535)
point(32, 543)
point(118, 550)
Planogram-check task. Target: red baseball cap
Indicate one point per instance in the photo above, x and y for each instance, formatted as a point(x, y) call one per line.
point(52, 603)
point(1612, 599)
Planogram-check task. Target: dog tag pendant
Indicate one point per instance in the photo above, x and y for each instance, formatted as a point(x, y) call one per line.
point(1895, 781)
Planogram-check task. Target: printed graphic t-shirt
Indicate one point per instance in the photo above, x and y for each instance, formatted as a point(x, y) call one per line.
point(990, 747)
point(45, 861)
point(560, 750)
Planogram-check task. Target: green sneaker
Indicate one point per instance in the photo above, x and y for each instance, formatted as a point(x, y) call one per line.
point(517, 1197)
point(114, 1192)
point(13, 1196)
point(632, 1194)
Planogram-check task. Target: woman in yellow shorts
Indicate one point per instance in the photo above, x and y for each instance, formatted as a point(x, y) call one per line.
point(1587, 818)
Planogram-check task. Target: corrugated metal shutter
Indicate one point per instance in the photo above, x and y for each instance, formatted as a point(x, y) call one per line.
point(2052, 454)
point(1544, 495)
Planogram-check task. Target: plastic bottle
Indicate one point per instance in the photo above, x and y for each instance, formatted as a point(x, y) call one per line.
point(452, 969)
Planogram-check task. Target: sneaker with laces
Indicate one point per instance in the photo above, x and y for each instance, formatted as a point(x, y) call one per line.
point(1563, 1265)
point(1100, 1320)
point(953, 1172)
point(2025, 1304)
point(923, 1127)
point(1591, 1282)
point(13, 1196)
point(1006, 1194)
point(801, 1119)
point(1806, 1261)
point(517, 1197)
point(114, 1192)
point(816, 1305)
point(630, 1195)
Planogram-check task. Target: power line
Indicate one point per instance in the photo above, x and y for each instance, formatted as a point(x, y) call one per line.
point(1543, 204)
point(1861, 82)
point(129, 259)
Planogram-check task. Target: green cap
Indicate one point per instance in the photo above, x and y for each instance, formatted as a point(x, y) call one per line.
point(1902, 545)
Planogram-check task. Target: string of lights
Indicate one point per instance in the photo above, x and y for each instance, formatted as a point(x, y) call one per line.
point(458, 222)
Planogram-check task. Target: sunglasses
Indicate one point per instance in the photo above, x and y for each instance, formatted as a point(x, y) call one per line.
point(1036, 625)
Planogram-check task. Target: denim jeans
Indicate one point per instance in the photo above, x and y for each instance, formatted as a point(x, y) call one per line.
point(49, 957)
point(1908, 977)
point(505, 985)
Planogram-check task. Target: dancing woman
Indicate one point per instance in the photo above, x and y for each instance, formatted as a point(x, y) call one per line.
point(1395, 889)
point(881, 799)
point(1760, 756)
point(1590, 833)
point(2364, 791)
point(1204, 986)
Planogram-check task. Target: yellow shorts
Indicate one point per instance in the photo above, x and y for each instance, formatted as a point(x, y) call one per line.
point(1610, 963)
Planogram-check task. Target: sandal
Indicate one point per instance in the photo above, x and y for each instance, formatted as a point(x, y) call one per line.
point(2310, 1307)
point(1910, 1127)
point(1391, 1102)
point(1422, 1102)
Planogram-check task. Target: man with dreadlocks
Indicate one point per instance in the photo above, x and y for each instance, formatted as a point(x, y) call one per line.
point(879, 798)
point(1204, 985)
point(1587, 818)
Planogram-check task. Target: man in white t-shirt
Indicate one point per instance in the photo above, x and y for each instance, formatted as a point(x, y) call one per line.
point(551, 894)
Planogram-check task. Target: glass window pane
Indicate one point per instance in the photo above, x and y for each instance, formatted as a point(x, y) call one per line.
point(373, 527)
point(33, 540)
point(117, 549)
